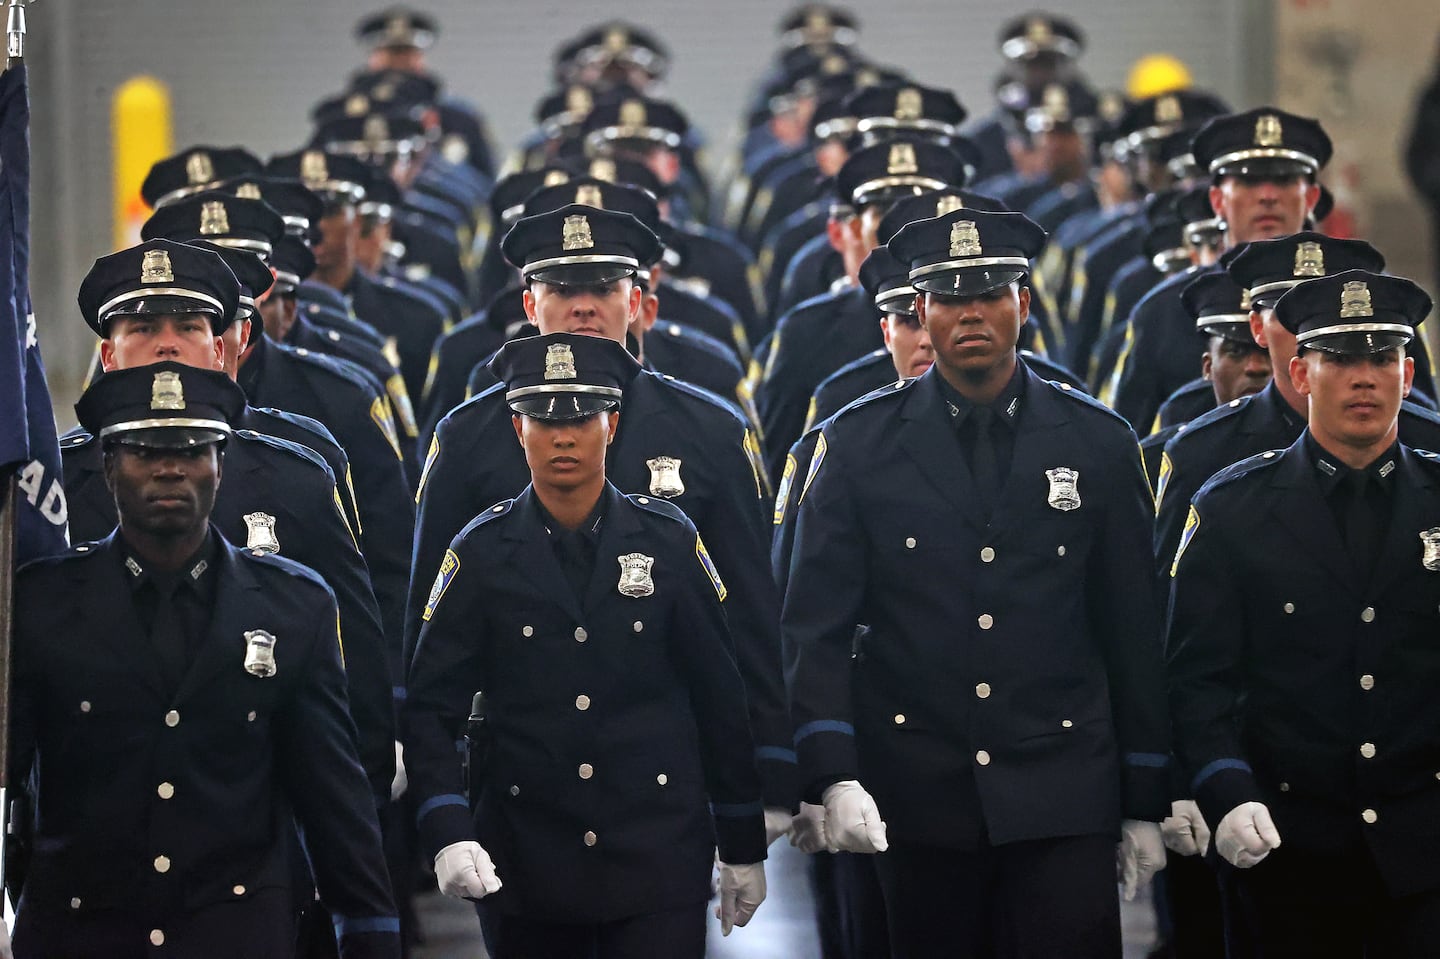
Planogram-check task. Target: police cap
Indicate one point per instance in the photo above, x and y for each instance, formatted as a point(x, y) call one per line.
point(165, 405)
point(563, 376)
point(252, 272)
point(335, 178)
point(819, 25)
point(1036, 33)
point(1264, 142)
point(220, 217)
point(968, 252)
point(886, 172)
point(157, 277)
point(1268, 268)
point(292, 262)
point(579, 245)
point(906, 106)
point(933, 203)
point(397, 27)
point(887, 280)
point(1064, 105)
point(299, 208)
point(619, 42)
point(198, 168)
point(628, 116)
point(507, 198)
point(1353, 312)
point(1152, 118)
point(1218, 305)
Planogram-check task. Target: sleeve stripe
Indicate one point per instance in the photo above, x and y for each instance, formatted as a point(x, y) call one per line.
point(823, 726)
point(350, 927)
point(1149, 760)
point(435, 802)
point(1217, 766)
point(777, 753)
point(738, 809)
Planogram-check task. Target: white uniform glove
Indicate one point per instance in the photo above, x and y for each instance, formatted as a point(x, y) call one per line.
point(1246, 835)
point(807, 830)
point(464, 870)
point(777, 823)
point(1184, 829)
point(5, 951)
point(742, 890)
point(401, 782)
point(1140, 856)
point(852, 823)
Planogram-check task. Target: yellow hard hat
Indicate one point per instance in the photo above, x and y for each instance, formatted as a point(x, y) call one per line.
point(1157, 73)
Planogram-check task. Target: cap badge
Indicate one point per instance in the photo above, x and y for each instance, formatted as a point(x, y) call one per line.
point(817, 21)
point(260, 653)
point(665, 478)
point(155, 268)
point(902, 159)
point(1355, 300)
point(1430, 540)
point(1038, 32)
point(603, 168)
point(556, 177)
point(384, 92)
point(313, 168)
point(1063, 494)
point(560, 362)
point(248, 191)
point(199, 169)
point(575, 234)
point(166, 392)
point(632, 114)
point(376, 130)
point(1055, 100)
point(397, 30)
point(1268, 132)
point(454, 148)
point(964, 238)
point(214, 221)
point(948, 204)
point(1309, 259)
point(635, 579)
point(616, 40)
point(588, 194)
point(357, 105)
point(260, 533)
point(578, 102)
point(1167, 110)
point(1245, 306)
point(908, 104)
point(834, 65)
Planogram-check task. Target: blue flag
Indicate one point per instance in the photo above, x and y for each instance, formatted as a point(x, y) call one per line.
point(27, 421)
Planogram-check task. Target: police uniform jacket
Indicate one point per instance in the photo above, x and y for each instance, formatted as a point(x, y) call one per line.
point(620, 754)
point(724, 267)
point(708, 314)
point(847, 384)
point(812, 270)
point(779, 247)
point(1012, 678)
point(311, 434)
point(674, 442)
point(1303, 682)
point(1239, 429)
point(1154, 361)
point(1092, 266)
point(165, 801)
point(278, 496)
point(1191, 401)
point(389, 306)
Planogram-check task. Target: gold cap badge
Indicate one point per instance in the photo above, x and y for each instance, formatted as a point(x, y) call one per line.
point(214, 221)
point(559, 362)
point(357, 105)
point(1245, 306)
point(1055, 100)
point(1355, 300)
point(1038, 32)
point(908, 104)
point(199, 169)
point(1268, 132)
point(248, 191)
point(632, 114)
point(578, 101)
point(616, 40)
point(902, 159)
point(603, 168)
point(964, 238)
point(155, 268)
point(313, 168)
point(1309, 259)
point(948, 204)
point(1167, 109)
point(575, 233)
point(376, 130)
point(166, 392)
point(556, 177)
point(588, 194)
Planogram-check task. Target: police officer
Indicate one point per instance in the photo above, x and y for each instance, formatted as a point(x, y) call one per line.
point(615, 706)
point(1003, 723)
point(1299, 651)
point(198, 699)
point(677, 443)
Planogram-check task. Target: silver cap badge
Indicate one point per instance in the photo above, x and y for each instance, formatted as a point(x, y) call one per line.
point(166, 392)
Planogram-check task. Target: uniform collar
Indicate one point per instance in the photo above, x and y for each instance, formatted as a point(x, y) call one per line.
point(587, 532)
point(1006, 407)
point(196, 572)
point(1330, 472)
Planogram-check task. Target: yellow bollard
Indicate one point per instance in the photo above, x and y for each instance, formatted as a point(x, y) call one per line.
point(140, 134)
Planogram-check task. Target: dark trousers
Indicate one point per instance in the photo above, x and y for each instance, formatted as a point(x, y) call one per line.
point(1026, 900)
point(849, 907)
point(1298, 904)
point(1187, 903)
point(674, 933)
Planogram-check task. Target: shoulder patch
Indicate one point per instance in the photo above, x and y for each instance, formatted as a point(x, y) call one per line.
point(816, 458)
point(709, 566)
point(384, 421)
point(782, 495)
point(1167, 466)
point(751, 445)
point(449, 566)
point(1192, 523)
point(429, 461)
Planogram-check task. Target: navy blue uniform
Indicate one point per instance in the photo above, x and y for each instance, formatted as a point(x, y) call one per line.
point(164, 813)
point(1155, 361)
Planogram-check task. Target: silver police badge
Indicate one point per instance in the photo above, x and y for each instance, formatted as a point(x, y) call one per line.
point(635, 580)
point(259, 653)
point(261, 533)
point(1430, 539)
point(665, 477)
point(1063, 494)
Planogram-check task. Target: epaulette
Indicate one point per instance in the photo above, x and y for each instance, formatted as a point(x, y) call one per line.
point(352, 373)
point(1219, 414)
point(699, 341)
point(1429, 458)
point(878, 395)
point(1086, 400)
point(473, 404)
point(700, 393)
point(284, 565)
point(660, 507)
point(500, 509)
point(297, 450)
point(804, 306)
point(300, 420)
point(80, 551)
point(1415, 410)
point(1236, 471)
point(870, 359)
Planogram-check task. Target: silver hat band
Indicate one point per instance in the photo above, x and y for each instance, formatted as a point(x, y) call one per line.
point(1180, 166)
point(666, 138)
point(836, 127)
point(1141, 137)
point(1398, 328)
point(296, 225)
point(926, 182)
point(1278, 285)
point(282, 276)
point(1264, 154)
point(1167, 258)
point(899, 293)
point(108, 307)
point(801, 37)
point(354, 192)
point(155, 424)
point(381, 211)
point(1215, 319)
point(950, 266)
point(610, 392)
point(596, 258)
point(866, 124)
point(1199, 229)
point(369, 148)
point(1018, 47)
point(183, 192)
point(262, 247)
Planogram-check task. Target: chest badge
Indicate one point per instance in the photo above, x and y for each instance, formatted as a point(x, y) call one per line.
point(665, 477)
point(635, 579)
point(1063, 494)
point(260, 535)
point(1430, 539)
point(260, 653)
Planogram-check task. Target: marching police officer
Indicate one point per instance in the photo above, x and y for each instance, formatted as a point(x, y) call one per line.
point(1002, 724)
point(615, 707)
point(196, 702)
point(1300, 649)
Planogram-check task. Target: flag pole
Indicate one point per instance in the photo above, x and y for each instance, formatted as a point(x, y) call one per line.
point(15, 31)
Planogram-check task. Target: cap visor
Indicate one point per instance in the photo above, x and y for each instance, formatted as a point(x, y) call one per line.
point(1356, 343)
point(167, 437)
point(582, 274)
point(1259, 168)
point(968, 282)
point(152, 305)
point(558, 407)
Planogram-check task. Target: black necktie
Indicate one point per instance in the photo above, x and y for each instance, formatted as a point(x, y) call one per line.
point(1363, 521)
point(168, 635)
point(982, 456)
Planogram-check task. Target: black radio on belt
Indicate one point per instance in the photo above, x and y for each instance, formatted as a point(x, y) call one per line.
point(477, 747)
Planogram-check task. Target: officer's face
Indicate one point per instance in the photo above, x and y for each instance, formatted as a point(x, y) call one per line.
point(567, 454)
point(908, 343)
point(1235, 369)
point(163, 493)
point(1063, 153)
point(1263, 208)
point(604, 309)
point(277, 311)
point(235, 339)
point(370, 243)
point(1354, 398)
point(141, 340)
point(339, 232)
point(974, 336)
